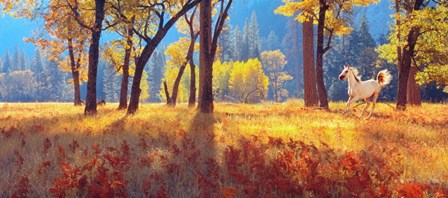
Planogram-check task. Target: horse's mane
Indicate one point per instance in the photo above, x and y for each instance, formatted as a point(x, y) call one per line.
point(356, 74)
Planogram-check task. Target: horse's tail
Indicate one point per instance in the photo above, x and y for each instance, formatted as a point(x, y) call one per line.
point(383, 77)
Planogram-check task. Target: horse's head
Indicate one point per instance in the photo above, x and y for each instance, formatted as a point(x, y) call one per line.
point(344, 73)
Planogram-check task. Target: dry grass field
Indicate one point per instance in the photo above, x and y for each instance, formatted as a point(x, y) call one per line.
point(262, 150)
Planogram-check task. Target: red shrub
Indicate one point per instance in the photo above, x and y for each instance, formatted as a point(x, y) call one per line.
point(21, 188)
point(73, 146)
point(47, 145)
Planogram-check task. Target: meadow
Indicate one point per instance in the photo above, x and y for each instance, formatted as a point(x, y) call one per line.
point(261, 150)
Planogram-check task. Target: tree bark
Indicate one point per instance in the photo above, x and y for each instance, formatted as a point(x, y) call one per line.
point(309, 69)
point(192, 99)
point(125, 78)
point(75, 74)
point(90, 108)
point(139, 67)
point(320, 55)
point(276, 95)
point(176, 85)
point(408, 53)
point(413, 92)
point(206, 58)
point(167, 93)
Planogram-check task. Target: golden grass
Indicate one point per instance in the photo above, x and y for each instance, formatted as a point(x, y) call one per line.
point(420, 133)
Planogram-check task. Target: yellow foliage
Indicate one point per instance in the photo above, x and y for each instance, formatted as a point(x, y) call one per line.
point(184, 85)
point(248, 82)
point(431, 43)
point(221, 77)
point(307, 9)
point(274, 62)
point(177, 52)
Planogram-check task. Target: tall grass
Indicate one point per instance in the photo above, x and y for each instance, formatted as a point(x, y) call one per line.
point(258, 150)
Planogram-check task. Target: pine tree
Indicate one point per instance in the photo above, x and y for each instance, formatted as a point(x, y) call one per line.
point(7, 62)
point(365, 53)
point(39, 75)
point(244, 46)
point(156, 71)
point(225, 43)
point(55, 82)
point(291, 44)
point(333, 64)
point(272, 42)
point(24, 61)
point(100, 84)
point(16, 60)
point(237, 44)
point(111, 83)
point(253, 37)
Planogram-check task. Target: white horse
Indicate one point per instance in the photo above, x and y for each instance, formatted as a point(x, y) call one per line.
point(358, 89)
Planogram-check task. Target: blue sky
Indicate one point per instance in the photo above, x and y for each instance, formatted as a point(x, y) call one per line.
point(13, 32)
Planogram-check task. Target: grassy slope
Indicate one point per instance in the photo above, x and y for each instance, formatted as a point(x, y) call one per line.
point(420, 134)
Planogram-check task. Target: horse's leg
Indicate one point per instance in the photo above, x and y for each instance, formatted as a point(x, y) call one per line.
point(350, 100)
point(367, 106)
point(375, 97)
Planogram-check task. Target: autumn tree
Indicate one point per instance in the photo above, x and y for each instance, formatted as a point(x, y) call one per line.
point(330, 22)
point(63, 33)
point(208, 46)
point(181, 54)
point(153, 19)
point(177, 63)
point(121, 52)
point(90, 16)
point(274, 63)
point(248, 83)
point(221, 77)
point(309, 69)
point(429, 53)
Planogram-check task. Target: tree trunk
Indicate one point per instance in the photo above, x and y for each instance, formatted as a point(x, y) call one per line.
point(167, 93)
point(408, 53)
point(176, 85)
point(206, 58)
point(309, 70)
point(75, 74)
point(276, 95)
point(320, 56)
point(90, 108)
point(125, 78)
point(192, 99)
point(139, 67)
point(413, 92)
